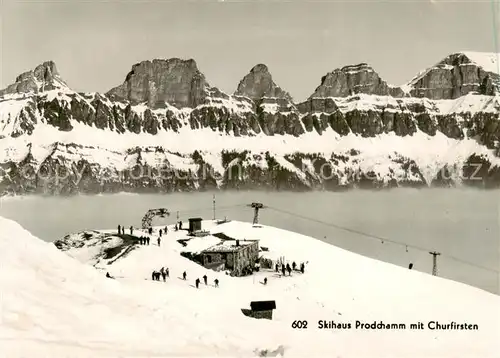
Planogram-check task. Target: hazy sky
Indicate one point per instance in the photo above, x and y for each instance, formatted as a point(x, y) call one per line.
point(95, 43)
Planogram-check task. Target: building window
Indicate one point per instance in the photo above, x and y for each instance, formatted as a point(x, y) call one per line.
point(209, 259)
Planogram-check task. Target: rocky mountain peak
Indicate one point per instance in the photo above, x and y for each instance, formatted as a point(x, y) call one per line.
point(457, 75)
point(354, 79)
point(260, 68)
point(175, 81)
point(259, 84)
point(44, 77)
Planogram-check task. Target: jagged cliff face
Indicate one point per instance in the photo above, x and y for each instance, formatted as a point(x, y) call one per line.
point(174, 81)
point(456, 76)
point(259, 84)
point(351, 80)
point(355, 130)
point(44, 77)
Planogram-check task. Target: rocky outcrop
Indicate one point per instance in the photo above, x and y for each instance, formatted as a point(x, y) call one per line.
point(259, 84)
point(456, 76)
point(44, 77)
point(350, 110)
point(174, 81)
point(351, 80)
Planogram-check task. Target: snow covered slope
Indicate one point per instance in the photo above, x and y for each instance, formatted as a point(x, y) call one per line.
point(435, 130)
point(337, 286)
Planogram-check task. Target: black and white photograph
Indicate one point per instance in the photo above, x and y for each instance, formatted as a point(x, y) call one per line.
point(250, 178)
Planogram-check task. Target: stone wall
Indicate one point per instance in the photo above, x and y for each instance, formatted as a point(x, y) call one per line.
point(258, 314)
point(246, 257)
point(211, 258)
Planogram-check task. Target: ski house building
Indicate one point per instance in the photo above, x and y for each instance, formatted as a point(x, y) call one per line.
point(239, 256)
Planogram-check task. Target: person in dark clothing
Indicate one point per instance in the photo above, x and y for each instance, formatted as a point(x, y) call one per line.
point(277, 268)
point(167, 272)
point(166, 230)
point(176, 228)
point(150, 231)
point(216, 283)
point(140, 239)
point(180, 225)
point(265, 280)
point(159, 241)
point(131, 230)
point(205, 279)
point(147, 240)
point(119, 229)
point(410, 266)
point(283, 270)
point(197, 282)
point(289, 269)
point(184, 275)
point(153, 275)
point(294, 265)
point(164, 275)
point(161, 232)
point(302, 267)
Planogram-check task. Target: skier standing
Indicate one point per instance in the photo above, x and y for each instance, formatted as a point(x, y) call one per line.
point(205, 279)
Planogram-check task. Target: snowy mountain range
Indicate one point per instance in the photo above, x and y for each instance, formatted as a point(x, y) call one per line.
point(165, 128)
point(56, 304)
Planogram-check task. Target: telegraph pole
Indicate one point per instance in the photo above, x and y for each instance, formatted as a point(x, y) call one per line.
point(256, 207)
point(214, 206)
point(434, 262)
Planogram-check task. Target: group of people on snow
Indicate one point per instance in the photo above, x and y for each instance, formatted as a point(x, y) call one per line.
point(143, 240)
point(178, 226)
point(164, 273)
point(289, 269)
point(197, 281)
point(121, 230)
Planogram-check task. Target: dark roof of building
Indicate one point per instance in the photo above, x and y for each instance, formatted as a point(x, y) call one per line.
point(223, 236)
point(263, 305)
point(229, 246)
point(195, 219)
